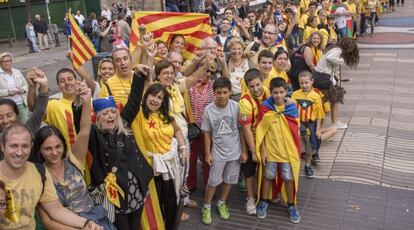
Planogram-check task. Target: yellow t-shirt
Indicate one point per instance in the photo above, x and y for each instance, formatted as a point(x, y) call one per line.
point(333, 36)
point(253, 59)
point(249, 109)
point(27, 192)
point(177, 105)
point(120, 88)
point(352, 8)
point(274, 74)
point(245, 89)
point(307, 33)
point(304, 5)
point(325, 37)
point(309, 105)
point(59, 113)
point(275, 145)
point(152, 134)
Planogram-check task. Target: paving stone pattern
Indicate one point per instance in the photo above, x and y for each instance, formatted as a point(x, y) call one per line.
point(369, 166)
point(377, 146)
point(323, 204)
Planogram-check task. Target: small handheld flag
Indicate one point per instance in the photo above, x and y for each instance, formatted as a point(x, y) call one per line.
point(81, 47)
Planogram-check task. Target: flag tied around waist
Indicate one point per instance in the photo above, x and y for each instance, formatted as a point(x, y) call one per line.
point(81, 47)
point(163, 25)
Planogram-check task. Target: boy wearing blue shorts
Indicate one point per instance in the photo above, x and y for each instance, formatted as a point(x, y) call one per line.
point(309, 104)
point(278, 148)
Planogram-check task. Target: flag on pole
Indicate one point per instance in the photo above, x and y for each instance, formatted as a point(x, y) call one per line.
point(193, 26)
point(81, 47)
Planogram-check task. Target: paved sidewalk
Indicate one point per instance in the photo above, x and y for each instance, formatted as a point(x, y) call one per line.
point(323, 204)
point(362, 169)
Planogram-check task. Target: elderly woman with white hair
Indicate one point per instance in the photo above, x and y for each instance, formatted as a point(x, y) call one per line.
point(116, 156)
point(13, 85)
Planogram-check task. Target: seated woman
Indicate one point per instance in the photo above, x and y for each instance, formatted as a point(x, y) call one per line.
point(114, 153)
point(66, 172)
point(155, 130)
point(306, 57)
point(9, 111)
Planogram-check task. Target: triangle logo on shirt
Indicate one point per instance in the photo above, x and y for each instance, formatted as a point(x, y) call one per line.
point(224, 128)
point(304, 104)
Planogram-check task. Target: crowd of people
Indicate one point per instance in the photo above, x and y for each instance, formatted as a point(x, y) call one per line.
point(250, 106)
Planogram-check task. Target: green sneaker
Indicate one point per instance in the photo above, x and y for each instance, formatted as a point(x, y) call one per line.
point(223, 211)
point(206, 215)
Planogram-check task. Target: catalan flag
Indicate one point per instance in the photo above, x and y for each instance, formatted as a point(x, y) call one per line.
point(193, 26)
point(81, 47)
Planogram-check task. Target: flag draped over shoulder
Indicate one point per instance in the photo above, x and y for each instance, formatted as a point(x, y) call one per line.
point(288, 121)
point(193, 26)
point(81, 47)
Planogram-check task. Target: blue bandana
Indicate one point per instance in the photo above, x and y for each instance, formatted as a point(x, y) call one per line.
point(104, 103)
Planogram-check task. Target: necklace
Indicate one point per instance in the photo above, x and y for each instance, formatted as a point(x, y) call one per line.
point(56, 174)
point(124, 91)
point(236, 64)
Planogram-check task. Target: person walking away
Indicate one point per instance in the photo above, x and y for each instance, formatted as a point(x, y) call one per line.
point(31, 37)
point(41, 29)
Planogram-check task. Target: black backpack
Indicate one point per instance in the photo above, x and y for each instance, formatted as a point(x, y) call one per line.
point(87, 29)
point(298, 64)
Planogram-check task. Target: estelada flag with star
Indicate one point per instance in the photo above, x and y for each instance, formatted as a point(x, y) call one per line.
point(81, 47)
point(163, 25)
point(288, 129)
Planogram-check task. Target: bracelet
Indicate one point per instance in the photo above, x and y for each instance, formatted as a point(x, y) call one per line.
point(183, 147)
point(86, 223)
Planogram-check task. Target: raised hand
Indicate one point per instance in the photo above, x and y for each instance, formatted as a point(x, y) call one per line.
point(30, 76)
point(144, 69)
point(147, 39)
point(41, 79)
point(152, 50)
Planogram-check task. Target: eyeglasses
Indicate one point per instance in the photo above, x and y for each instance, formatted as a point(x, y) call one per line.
point(3, 204)
point(268, 32)
point(9, 60)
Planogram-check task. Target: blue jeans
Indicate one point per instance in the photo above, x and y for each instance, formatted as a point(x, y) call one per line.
point(342, 32)
point(172, 8)
point(96, 41)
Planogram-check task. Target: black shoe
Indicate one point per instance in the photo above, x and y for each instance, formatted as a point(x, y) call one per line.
point(315, 158)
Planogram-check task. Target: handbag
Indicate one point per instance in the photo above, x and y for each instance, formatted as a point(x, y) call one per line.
point(193, 131)
point(336, 93)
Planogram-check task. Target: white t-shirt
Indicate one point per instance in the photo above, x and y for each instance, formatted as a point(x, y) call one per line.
point(341, 20)
point(107, 14)
point(80, 19)
point(222, 40)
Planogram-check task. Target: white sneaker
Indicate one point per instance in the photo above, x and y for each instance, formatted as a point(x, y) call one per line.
point(250, 207)
point(339, 125)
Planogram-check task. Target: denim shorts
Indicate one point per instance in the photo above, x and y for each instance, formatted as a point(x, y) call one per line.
point(270, 170)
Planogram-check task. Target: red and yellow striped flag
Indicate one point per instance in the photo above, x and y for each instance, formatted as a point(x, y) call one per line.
point(193, 26)
point(81, 47)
